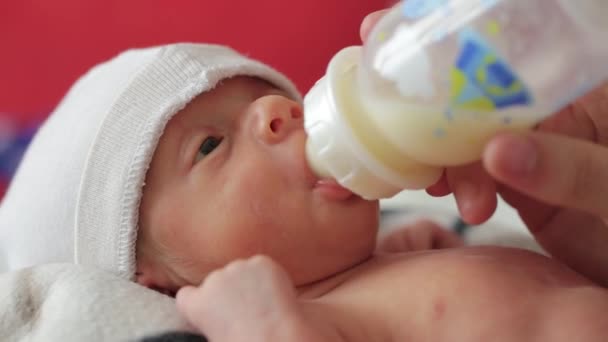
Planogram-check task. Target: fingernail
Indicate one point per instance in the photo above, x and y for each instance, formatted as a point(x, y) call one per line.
point(521, 155)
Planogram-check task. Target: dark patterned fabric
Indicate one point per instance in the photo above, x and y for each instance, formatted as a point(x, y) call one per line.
point(175, 337)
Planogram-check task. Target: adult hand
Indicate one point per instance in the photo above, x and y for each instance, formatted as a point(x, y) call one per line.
point(369, 22)
point(556, 177)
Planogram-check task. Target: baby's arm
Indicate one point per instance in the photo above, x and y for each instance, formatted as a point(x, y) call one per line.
point(251, 300)
point(418, 236)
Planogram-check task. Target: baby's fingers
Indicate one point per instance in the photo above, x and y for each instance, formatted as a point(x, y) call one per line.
point(188, 301)
point(558, 170)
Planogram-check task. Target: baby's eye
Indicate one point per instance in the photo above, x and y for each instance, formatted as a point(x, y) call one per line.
point(207, 147)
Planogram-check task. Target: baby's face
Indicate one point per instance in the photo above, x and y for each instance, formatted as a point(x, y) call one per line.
point(229, 180)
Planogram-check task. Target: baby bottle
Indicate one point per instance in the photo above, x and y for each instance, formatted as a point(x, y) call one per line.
point(436, 79)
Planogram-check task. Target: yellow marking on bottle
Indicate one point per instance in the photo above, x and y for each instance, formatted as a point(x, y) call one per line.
point(493, 28)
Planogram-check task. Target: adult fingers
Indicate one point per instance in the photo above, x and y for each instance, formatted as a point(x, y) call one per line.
point(534, 213)
point(369, 22)
point(440, 188)
point(578, 240)
point(474, 191)
point(554, 169)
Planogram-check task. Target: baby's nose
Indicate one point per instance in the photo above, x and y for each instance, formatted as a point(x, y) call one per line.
point(276, 117)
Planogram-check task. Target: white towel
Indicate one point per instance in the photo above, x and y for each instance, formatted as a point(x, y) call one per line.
point(66, 302)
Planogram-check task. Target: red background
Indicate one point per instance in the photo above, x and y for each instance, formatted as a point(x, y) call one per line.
point(45, 45)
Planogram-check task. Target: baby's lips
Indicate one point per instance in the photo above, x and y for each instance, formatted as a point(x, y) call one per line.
point(332, 190)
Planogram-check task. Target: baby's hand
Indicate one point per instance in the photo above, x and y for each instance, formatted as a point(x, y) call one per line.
point(419, 236)
point(248, 300)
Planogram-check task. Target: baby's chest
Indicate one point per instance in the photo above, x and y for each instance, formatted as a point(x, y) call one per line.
point(409, 301)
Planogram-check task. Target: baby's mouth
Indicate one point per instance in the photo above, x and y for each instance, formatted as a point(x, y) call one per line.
point(328, 187)
point(332, 190)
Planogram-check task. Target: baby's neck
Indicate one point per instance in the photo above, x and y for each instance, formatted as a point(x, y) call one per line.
point(325, 285)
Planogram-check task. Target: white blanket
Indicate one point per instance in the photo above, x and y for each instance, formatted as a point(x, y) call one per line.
point(63, 302)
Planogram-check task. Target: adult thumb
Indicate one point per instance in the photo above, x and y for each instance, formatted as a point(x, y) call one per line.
point(554, 169)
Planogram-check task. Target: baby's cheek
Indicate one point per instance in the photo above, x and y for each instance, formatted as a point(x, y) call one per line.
point(242, 237)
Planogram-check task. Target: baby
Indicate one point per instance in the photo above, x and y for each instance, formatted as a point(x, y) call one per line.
point(184, 165)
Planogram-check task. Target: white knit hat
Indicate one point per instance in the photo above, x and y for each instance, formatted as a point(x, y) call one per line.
point(76, 194)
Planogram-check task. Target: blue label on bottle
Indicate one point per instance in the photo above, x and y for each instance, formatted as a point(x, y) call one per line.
point(415, 9)
point(482, 81)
